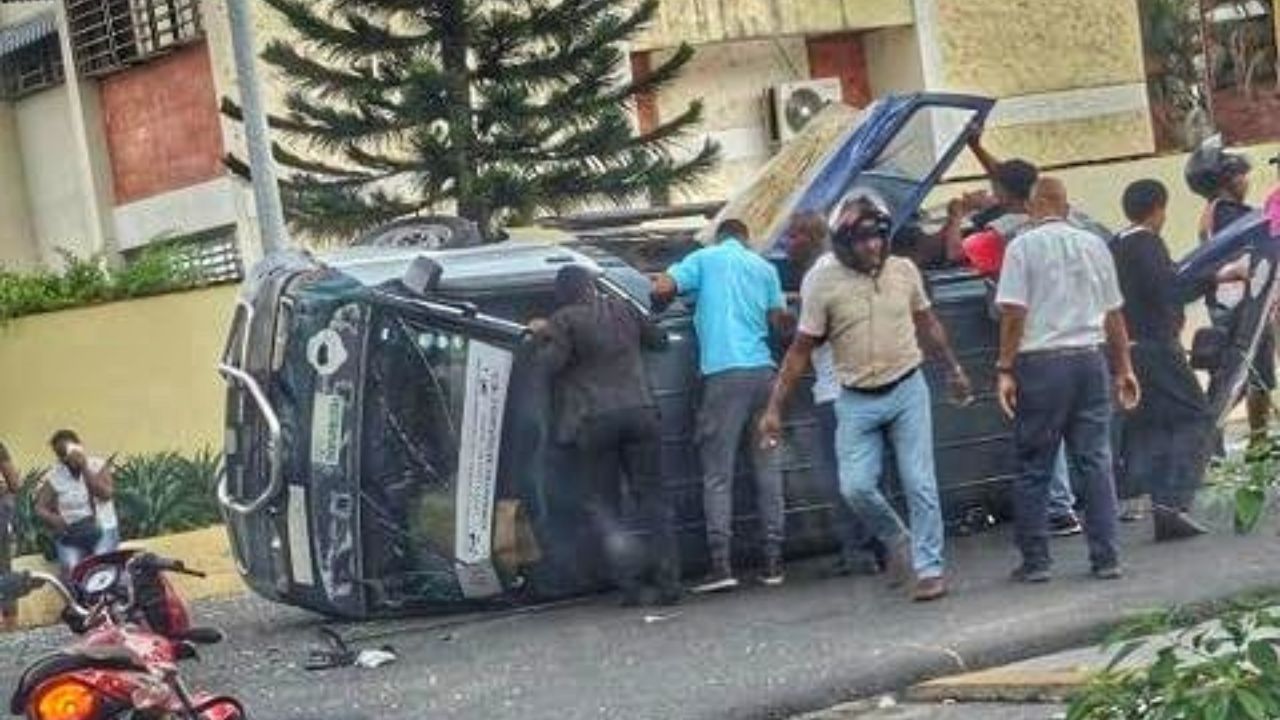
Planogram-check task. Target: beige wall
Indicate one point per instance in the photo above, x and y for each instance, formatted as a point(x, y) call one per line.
point(894, 61)
point(731, 80)
point(708, 21)
point(58, 213)
point(132, 377)
point(17, 243)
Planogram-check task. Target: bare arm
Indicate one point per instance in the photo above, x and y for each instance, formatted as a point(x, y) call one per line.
point(952, 239)
point(984, 156)
point(664, 287)
point(9, 472)
point(934, 337)
point(1128, 392)
point(101, 483)
point(783, 324)
point(1013, 324)
point(793, 368)
point(46, 507)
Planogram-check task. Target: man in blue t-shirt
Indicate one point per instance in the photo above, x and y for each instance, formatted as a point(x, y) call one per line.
point(737, 297)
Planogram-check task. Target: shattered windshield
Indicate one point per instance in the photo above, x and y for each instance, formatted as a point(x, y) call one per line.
point(415, 395)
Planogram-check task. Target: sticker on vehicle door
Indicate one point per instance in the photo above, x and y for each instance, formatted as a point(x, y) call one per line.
point(326, 429)
point(488, 373)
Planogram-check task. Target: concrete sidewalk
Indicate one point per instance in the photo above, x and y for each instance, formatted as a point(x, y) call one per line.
point(759, 653)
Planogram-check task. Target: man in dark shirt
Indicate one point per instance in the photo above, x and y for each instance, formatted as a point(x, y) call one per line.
point(606, 417)
point(1168, 437)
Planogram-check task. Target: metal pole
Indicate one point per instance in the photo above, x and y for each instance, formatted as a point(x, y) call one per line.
point(266, 193)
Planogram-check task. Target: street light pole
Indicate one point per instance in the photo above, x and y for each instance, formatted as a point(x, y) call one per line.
point(266, 191)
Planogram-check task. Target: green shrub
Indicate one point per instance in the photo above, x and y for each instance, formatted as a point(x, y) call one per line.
point(86, 281)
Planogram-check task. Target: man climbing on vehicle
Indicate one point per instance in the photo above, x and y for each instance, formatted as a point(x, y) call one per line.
point(737, 298)
point(607, 419)
point(870, 308)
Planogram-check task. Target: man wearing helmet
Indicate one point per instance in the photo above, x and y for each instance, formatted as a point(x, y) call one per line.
point(871, 308)
point(1222, 178)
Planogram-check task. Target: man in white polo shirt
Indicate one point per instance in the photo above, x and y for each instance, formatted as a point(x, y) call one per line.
point(1059, 304)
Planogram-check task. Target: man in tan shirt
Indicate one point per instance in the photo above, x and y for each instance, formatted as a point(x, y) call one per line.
point(870, 307)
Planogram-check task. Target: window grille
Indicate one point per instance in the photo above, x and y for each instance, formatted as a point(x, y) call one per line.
point(110, 35)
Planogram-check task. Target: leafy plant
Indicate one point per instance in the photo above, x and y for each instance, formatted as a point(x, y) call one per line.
point(30, 536)
point(85, 281)
point(1227, 669)
point(1247, 482)
point(164, 493)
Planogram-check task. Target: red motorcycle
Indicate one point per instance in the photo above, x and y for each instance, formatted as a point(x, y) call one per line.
point(135, 628)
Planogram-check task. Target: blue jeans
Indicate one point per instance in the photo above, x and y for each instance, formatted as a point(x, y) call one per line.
point(1064, 396)
point(69, 556)
point(1062, 501)
point(903, 415)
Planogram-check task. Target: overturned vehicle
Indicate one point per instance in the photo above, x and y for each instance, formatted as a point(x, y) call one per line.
point(387, 443)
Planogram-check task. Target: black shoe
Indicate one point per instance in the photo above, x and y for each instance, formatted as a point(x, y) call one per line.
point(716, 581)
point(1030, 575)
point(1173, 524)
point(1108, 572)
point(772, 575)
point(1065, 525)
point(853, 563)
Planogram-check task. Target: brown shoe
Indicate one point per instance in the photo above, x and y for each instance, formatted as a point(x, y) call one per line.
point(929, 589)
point(897, 566)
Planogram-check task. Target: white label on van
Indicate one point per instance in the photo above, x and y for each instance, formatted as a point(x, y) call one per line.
point(488, 373)
point(299, 537)
point(326, 429)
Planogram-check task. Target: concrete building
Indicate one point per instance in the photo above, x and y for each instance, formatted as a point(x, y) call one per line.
point(1069, 77)
point(127, 155)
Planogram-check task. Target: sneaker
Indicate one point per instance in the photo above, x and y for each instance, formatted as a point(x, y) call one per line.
point(1110, 572)
point(717, 581)
point(929, 589)
point(772, 575)
point(1065, 525)
point(1024, 574)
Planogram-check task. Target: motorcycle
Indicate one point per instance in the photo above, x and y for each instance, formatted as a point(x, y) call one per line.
point(134, 629)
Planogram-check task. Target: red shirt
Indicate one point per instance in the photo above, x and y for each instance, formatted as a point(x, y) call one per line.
point(985, 252)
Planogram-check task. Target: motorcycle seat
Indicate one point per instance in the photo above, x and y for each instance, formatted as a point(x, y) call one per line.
point(68, 661)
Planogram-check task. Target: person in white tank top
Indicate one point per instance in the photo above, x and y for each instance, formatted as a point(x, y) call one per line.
point(75, 499)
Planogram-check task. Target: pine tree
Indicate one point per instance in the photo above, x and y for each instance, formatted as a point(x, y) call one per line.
point(500, 109)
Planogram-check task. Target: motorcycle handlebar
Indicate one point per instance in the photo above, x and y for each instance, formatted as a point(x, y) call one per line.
point(14, 586)
point(155, 562)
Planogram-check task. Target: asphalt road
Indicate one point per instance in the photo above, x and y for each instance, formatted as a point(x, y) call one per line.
point(759, 653)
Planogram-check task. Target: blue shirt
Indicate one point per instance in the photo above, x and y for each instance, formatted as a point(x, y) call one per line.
point(734, 289)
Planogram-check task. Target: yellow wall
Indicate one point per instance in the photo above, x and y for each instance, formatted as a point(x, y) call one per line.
point(709, 21)
point(1004, 48)
point(131, 377)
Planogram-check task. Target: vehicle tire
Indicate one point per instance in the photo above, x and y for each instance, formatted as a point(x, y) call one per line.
point(429, 232)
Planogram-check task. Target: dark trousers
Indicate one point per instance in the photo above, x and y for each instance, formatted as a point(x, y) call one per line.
point(1064, 396)
point(635, 522)
point(1169, 438)
point(852, 532)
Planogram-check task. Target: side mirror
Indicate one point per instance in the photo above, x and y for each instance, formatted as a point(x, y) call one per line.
point(1208, 348)
point(423, 276)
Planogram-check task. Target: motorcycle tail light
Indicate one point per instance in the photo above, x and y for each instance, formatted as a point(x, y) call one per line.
point(66, 700)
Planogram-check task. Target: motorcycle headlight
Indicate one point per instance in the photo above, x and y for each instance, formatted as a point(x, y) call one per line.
point(65, 700)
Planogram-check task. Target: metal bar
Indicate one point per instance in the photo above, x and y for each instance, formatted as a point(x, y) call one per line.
point(266, 190)
point(275, 478)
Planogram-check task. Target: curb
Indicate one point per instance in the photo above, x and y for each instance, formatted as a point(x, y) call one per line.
point(206, 550)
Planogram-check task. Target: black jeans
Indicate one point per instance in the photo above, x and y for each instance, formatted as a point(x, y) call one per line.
point(1064, 395)
point(635, 522)
point(1169, 438)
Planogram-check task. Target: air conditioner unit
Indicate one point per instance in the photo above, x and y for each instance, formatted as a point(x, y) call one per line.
point(794, 104)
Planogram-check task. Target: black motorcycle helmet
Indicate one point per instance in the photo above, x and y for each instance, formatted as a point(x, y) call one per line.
point(1210, 166)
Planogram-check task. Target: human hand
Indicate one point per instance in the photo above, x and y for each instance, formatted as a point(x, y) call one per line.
point(537, 325)
point(960, 387)
point(1007, 393)
point(770, 429)
point(1128, 391)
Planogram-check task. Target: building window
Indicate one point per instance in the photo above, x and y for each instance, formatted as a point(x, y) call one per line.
point(109, 35)
point(31, 69)
point(213, 255)
point(1212, 67)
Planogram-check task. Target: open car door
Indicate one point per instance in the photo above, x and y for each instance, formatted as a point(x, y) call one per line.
point(1229, 353)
